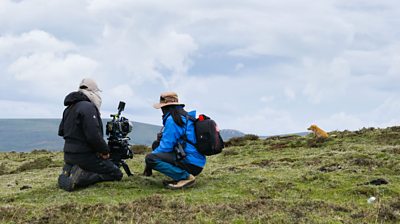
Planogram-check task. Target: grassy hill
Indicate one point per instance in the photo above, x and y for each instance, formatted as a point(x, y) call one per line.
point(289, 179)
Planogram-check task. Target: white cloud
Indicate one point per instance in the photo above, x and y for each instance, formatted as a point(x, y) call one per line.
point(52, 68)
point(279, 65)
point(266, 99)
point(341, 121)
point(326, 80)
point(267, 121)
point(19, 109)
point(42, 64)
point(31, 42)
point(290, 93)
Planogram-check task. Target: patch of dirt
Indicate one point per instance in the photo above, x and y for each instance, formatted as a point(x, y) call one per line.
point(315, 142)
point(233, 169)
point(389, 213)
point(283, 185)
point(10, 212)
point(290, 160)
point(363, 162)
point(330, 168)
point(263, 163)
point(230, 153)
point(313, 162)
point(358, 215)
point(278, 146)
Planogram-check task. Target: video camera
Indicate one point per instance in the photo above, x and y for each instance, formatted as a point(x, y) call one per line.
point(117, 131)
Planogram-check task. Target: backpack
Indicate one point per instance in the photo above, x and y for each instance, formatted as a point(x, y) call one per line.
point(209, 140)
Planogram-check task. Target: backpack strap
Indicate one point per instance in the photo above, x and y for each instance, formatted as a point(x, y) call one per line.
point(188, 117)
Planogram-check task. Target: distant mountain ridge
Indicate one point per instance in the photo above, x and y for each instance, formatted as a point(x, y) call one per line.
point(226, 134)
point(25, 135)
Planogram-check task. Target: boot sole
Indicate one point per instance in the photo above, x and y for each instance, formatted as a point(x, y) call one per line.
point(189, 184)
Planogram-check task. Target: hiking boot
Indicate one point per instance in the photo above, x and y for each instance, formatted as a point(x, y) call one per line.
point(65, 182)
point(77, 174)
point(183, 183)
point(67, 169)
point(167, 182)
point(68, 180)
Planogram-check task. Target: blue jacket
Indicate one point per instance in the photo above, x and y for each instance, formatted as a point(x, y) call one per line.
point(172, 133)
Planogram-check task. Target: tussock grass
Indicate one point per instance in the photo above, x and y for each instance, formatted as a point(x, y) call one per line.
point(278, 180)
point(140, 149)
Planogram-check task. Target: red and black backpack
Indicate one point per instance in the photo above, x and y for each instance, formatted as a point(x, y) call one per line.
point(209, 141)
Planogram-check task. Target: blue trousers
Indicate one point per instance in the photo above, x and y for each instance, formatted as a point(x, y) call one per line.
point(167, 164)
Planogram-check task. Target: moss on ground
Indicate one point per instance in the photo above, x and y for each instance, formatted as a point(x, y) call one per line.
point(278, 180)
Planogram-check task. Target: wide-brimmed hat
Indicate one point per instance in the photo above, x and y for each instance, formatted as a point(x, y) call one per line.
point(89, 84)
point(168, 98)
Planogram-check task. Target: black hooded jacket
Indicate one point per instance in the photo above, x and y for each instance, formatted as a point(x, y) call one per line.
point(81, 126)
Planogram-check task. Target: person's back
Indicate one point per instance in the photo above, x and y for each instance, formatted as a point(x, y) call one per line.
point(174, 156)
point(85, 151)
point(173, 134)
point(81, 126)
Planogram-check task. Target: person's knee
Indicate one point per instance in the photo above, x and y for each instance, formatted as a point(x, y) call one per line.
point(114, 171)
point(150, 160)
point(117, 175)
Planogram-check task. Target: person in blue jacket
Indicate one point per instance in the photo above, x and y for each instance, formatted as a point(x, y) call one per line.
point(174, 154)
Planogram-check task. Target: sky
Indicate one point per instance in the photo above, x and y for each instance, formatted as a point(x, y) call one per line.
point(259, 66)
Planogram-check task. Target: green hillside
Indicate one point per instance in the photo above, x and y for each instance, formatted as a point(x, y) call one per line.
point(289, 179)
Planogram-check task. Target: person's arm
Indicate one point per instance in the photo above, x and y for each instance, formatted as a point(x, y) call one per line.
point(92, 130)
point(170, 136)
point(61, 128)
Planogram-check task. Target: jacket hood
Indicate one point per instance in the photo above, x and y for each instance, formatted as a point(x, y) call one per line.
point(75, 97)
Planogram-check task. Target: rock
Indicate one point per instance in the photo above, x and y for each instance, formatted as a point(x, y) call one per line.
point(25, 187)
point(378, 181)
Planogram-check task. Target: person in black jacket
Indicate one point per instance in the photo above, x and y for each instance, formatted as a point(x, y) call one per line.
point(86, 154)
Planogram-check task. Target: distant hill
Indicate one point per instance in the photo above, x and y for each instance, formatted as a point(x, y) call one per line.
point(226, 134)
point(30, 134)
point(23, 135)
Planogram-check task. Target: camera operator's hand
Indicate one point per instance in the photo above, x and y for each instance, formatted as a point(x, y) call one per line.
point(156, 142)
point(159, 136)
point(105, 155)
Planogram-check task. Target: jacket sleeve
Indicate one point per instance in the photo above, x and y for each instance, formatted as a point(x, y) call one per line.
point(61, 128)
point(92, 130)
point(170, 136)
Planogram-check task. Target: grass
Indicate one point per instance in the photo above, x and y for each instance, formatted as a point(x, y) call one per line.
point(278, 180)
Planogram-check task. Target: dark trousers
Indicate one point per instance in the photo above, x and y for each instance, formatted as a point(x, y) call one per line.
point(167, 164)
point(96, 169)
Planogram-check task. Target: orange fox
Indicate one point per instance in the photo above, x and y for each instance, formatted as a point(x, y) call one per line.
point(319, 133)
